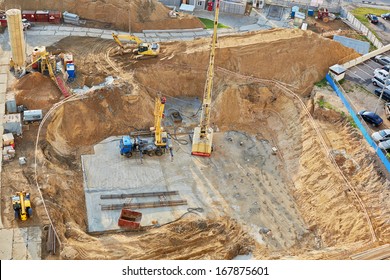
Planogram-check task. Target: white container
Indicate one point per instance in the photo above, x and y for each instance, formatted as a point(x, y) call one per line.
point(8, 139)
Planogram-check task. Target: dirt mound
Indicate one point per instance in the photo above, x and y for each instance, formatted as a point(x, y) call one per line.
point(214, 239)
point(111, 111)
point(145, 15)
point(36, 91)
point(292, 56)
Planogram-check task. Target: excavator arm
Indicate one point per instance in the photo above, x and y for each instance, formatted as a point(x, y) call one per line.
point(118, 38)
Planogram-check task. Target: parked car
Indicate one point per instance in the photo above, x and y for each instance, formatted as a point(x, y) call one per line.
point(385, 95)
point(26, 24)
point(382, 59)
point(384, 145)
point(381, 135)
point(379, 81)
point(386, 68)
point(371, 117)
point(372, 18)
point(385, 16)
point(381, 72)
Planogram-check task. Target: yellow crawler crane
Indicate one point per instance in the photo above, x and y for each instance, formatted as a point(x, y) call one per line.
point(22, 205)
point(202, 141)
point(143, 49)
point(160, 137)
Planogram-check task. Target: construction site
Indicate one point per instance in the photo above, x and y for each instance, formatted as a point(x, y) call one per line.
point(211, 148)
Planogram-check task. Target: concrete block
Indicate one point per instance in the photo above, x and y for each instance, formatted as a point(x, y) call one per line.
point(46, 33)
point(63, 33)
point(79, 33)
point(202, 33)
point(80, 29)
point(163, 34)
point(95, 30)
point(66, 28)
point(109, 32)
point(106, 36)
point(6, 236)
point(91, 34)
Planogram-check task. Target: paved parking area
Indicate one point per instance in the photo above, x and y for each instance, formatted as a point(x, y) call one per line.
point(362, 74)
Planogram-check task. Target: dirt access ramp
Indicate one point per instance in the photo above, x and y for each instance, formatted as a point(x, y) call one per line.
point(144, 14)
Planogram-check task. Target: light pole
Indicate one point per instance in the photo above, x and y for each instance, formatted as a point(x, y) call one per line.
point(383, 89)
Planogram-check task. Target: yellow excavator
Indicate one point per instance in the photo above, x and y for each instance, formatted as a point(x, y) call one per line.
point(143, 49)
point(22, 205)
point(202, 141)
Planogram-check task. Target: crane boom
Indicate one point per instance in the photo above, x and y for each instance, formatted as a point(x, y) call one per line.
point(203, 134)
point(158, 115)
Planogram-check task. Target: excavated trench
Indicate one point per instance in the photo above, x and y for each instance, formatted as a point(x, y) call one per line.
point(298, 193)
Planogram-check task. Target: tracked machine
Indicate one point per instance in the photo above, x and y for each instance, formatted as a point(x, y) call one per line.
point(22, 205)
point(142, 50)
point(202, 141)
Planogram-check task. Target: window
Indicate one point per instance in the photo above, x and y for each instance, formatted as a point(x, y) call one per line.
point(200, 3)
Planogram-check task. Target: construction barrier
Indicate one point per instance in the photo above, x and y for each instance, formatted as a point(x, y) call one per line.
point(368, 138)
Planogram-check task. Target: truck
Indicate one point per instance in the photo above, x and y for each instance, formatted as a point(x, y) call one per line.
point(22, 205)
point(143, 144)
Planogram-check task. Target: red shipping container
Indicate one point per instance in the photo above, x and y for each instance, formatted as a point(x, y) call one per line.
point(29, 15)
point(42, 16)
point(55, 17)
point(3, 22)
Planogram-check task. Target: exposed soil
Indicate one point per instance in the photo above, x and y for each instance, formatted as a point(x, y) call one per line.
point(335, 222)
point(145, 15)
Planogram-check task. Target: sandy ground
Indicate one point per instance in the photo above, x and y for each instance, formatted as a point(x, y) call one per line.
point(299, 193)
point(144, 15)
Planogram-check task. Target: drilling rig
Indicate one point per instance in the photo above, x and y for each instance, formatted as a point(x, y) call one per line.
point(202, 141)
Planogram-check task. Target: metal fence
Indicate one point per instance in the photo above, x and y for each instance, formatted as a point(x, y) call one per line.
point(357, 25)
point(359, 124)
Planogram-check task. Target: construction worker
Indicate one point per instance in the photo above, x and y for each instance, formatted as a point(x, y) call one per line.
point(11, 65)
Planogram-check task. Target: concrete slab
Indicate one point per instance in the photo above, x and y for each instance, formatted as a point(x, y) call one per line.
point(3, 88)
point(107, 172)
point(66, 28)
point(252, 27)
point(36, 28)
point(185, 34)
point(202, 33)
point(153, 35)
point(95, 30)
point(80, 29)
point(34, 32)
point(34, 251)
point(108, 31)
point(52, 27)
point(34, 234)
point(106, 36)
point(6, 236)
point(139, 34)
point(62, 33)
point(163, 34)
point(4, 69)
point(91, 34)
point(46, 33)
point(79, 33)
point(3, 78)
point(19, 251)
point(20, 235)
